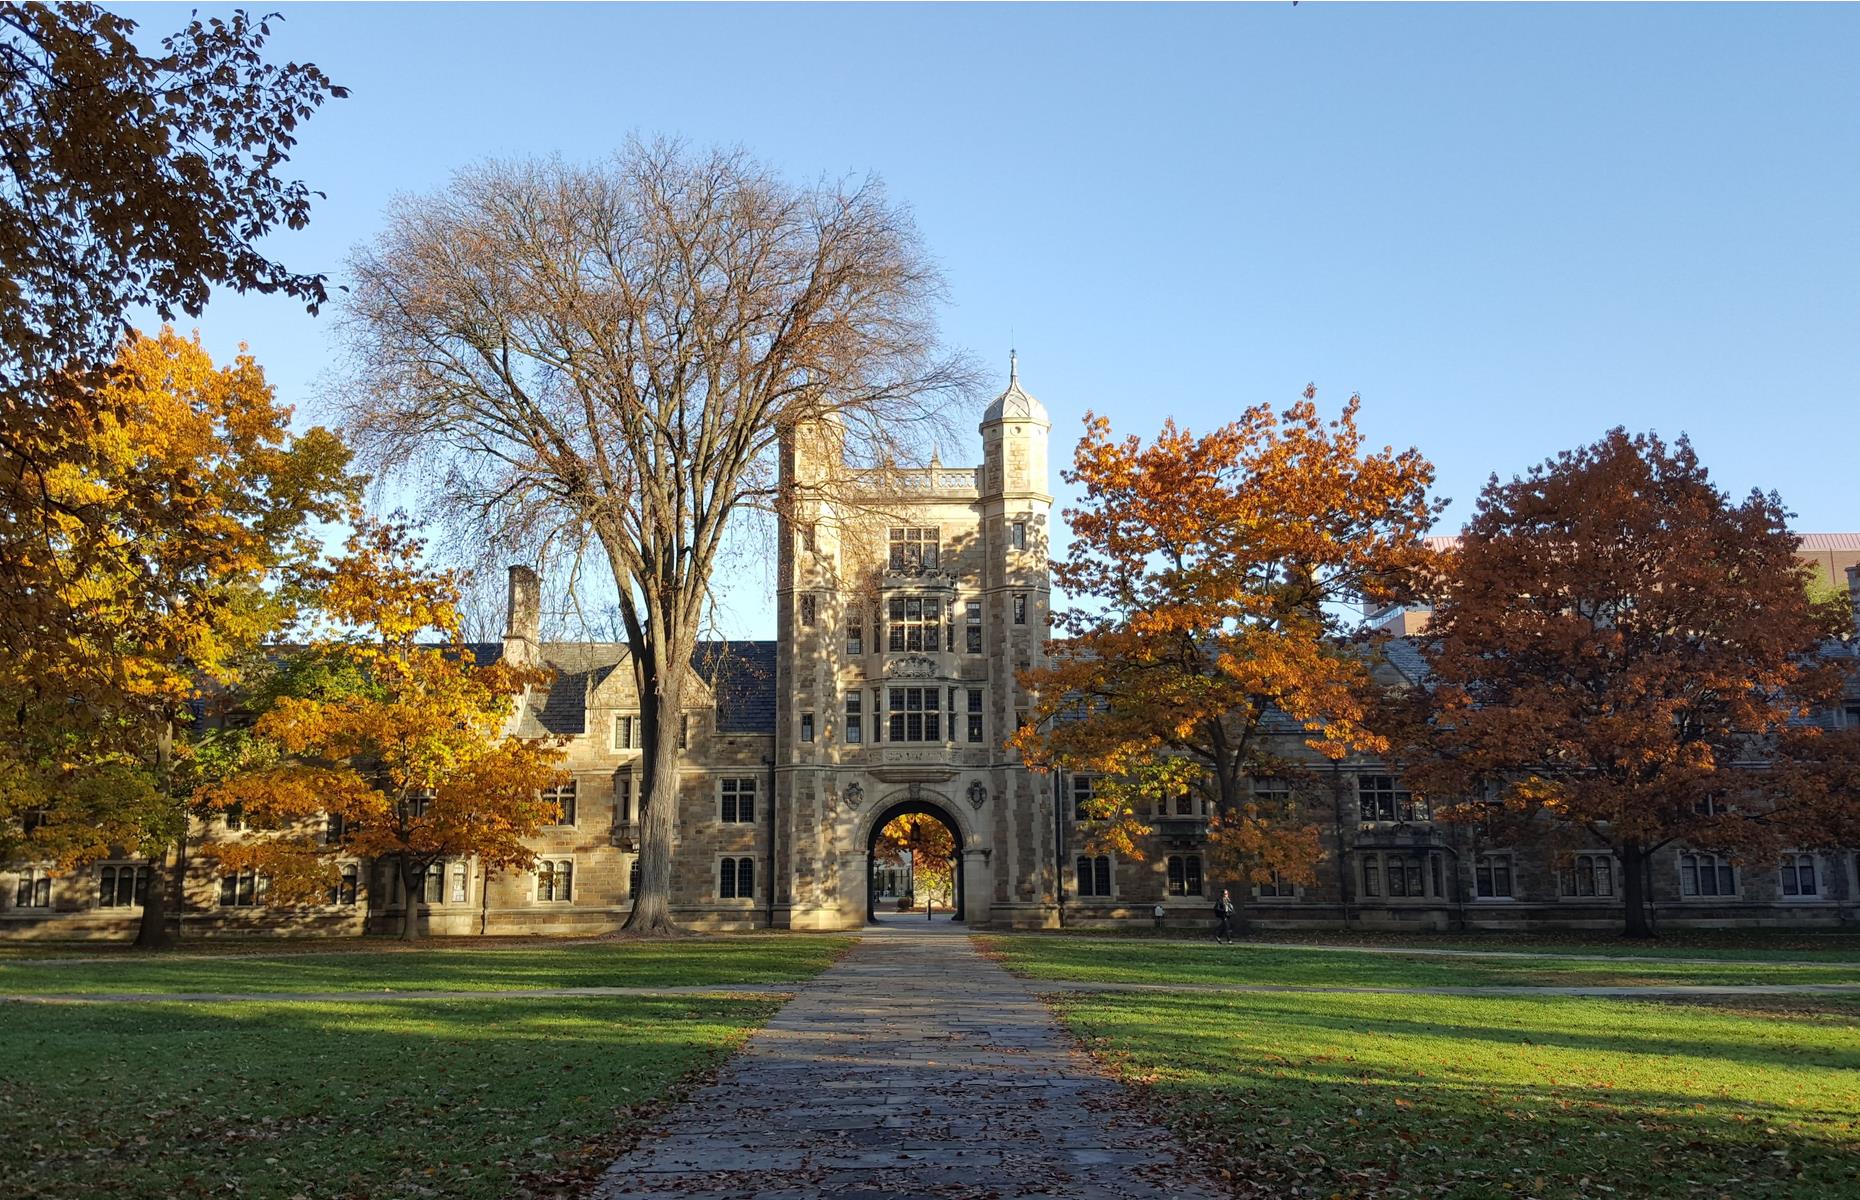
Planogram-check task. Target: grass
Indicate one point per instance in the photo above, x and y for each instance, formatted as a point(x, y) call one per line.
point(265, 1099)
point(1043, 956)
point(1320, 1095)
point(1801, 945)
point(375, 967)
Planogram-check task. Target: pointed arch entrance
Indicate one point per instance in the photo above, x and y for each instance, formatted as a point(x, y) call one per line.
point(916, 804)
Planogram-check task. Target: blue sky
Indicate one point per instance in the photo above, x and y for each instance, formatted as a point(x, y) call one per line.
point(1508, 227)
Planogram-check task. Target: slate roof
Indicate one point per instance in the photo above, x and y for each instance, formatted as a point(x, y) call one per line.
point(1404, 654)
point(741, 674)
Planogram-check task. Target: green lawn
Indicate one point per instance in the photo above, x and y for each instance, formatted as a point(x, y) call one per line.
point(1046, 956)
point(460, 1098)
point(374, 967)
point(1801, 945)
point(1320, 1095)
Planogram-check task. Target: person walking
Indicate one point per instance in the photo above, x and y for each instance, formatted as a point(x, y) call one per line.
point(1224, 918)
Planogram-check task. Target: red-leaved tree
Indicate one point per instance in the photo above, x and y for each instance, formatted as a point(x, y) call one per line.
point(1614, 643)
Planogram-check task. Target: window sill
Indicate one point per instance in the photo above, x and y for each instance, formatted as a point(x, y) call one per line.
point(1494, 899)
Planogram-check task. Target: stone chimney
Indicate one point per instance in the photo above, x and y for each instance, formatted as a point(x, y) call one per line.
point(523, 625)
point(1853, 594)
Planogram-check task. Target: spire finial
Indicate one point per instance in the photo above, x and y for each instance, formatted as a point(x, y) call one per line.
point(1013, 366)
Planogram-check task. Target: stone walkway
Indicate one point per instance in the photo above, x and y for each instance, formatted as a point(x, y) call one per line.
point(912, 1068)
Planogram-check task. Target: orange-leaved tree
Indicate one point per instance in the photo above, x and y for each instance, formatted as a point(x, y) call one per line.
point(407, 747)
point(174, 544)
point(1611, 639)
point(1208, 574)
point(138, 173)
point(932, 849)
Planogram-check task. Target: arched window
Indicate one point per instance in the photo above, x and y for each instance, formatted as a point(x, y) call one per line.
point(122, 886)
point(34, 889)
point(1798, 876)
point(555, 880)
point(1589, 875)
point(1185, 875)
point(243, 889)
point(1492, 876)
point(1702, 874)
point(1276, 888)
point(736, 879)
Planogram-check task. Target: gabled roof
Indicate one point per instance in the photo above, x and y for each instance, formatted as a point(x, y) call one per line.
point(741, 675)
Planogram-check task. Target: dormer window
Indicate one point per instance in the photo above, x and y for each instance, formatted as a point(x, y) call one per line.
point(913, 548)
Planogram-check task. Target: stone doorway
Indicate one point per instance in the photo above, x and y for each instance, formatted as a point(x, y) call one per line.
point(904, 808)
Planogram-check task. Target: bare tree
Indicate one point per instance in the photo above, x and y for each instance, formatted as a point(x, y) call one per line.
point(615, 357)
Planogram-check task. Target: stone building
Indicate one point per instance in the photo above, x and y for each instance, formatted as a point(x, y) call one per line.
point(907, 600)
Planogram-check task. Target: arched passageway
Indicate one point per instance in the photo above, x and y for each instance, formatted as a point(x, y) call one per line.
point(905, 808)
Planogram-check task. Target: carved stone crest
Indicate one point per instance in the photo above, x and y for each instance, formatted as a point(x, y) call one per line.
point(853, 795)
point(911, 666)
point(978, 795)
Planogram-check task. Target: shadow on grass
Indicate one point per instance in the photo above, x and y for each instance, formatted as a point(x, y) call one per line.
point(1533, 1022)
point(456, 1098)
point(1056, 958)
point(581, 964)
point(1458, 1097)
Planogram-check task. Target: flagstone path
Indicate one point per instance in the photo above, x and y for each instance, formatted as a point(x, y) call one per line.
point(914, 1067)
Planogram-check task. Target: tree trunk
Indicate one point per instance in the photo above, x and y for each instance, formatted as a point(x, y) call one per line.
point(1634, 892)
point(152, 933)
point(413, 883)
point(658, 816)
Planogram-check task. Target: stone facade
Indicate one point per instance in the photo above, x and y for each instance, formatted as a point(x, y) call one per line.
point(907, 601)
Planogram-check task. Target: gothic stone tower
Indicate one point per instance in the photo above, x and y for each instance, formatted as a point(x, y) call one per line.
point(907, 599)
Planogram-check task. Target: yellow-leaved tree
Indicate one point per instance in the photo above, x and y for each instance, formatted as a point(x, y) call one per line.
point(932, 851)
point(172, 546)
point(1208, 575)
point(402, 740)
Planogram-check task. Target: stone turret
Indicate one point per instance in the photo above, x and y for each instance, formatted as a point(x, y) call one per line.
point(1014, 433)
